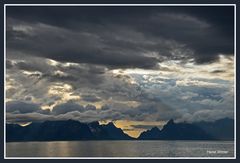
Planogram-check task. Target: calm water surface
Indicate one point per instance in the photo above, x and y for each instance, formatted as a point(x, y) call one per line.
point(121, 149)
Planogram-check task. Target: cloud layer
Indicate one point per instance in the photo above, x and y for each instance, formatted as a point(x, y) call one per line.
point(135, 39)
point(138, 64)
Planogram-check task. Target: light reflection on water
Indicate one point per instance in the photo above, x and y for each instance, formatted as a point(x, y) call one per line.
point(120, 149)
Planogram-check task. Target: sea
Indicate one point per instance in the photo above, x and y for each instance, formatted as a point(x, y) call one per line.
point(110, 149)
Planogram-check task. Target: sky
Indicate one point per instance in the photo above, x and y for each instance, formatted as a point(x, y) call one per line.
point(135, 66)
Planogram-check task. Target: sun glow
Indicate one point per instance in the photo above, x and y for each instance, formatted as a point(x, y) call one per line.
point(133, 128)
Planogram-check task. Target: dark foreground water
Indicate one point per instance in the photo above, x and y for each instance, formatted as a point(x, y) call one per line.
point(121, 149)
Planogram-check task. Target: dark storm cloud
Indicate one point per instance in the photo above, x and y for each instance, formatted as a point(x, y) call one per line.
point(24, 112)
point(121, 36)
point(19, 107)
point(218, 71)
point(28, 117)
point(90, 98)
point(67, 107)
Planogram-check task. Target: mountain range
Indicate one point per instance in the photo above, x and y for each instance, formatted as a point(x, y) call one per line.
point(64, 130)
point(74, 130)
point(222, 129)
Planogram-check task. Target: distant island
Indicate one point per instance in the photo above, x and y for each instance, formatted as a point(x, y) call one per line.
point(70, 130)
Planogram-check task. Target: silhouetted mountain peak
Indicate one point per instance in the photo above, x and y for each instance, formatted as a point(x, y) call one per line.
point(155, 129)
point(114, 132)
point(111, 124)
point(170, 122)
point(150, 134)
